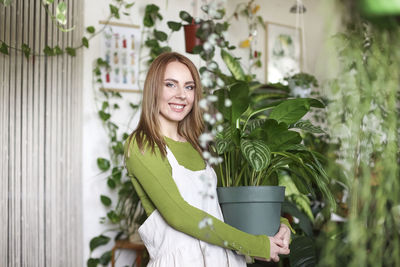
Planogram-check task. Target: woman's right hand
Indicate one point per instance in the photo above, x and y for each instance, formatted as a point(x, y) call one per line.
point(276, 247)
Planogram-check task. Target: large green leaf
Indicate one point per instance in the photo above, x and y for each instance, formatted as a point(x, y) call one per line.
point(304, 222)
point(233, 65)
point(290, 111)
point(257, 153)
point(239, 95)
point(98, 241)
point(303, 252)
point(278, 137)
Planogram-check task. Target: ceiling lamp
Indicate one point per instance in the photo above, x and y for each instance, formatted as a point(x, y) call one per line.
point(298, 7)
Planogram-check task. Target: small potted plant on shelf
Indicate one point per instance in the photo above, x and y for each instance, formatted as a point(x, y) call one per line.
point(198, 31)
point(257, 146)
point(301, 84)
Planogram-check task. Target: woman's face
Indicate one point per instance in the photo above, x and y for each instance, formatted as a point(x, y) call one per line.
point(177, 94)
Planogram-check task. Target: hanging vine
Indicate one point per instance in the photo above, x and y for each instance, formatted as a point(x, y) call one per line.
point(60, 20)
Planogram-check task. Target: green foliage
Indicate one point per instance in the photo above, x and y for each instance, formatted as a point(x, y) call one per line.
point(6, 2)
point(60, 13)
point(186, 17)
point(257, 153)
point(91, 262)
point(26, 50)
point(85, 42)
point(105, 200)
point(71, 51)
point(292, 110)
point(233, 65)
point(151, 14)
point(4, 48)
point(160, 36)
point(103, 164)
point(98, 241)
point(105, 258)
point(90, 29)
point(114, 11)
point(174, 26)
point(303, 252)
point(257, 145)
point(363, 120)
point(154, 39)
point(303, 80)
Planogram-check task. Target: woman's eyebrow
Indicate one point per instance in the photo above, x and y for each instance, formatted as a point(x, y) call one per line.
point(175, 81)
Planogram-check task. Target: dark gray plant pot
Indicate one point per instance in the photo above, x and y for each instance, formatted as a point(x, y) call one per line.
point(252, 209)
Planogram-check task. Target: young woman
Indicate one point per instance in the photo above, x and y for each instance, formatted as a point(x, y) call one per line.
point(184, 227)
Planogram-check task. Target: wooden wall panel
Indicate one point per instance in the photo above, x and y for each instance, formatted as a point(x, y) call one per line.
point(40, 140)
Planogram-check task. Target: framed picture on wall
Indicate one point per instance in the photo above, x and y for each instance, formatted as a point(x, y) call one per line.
point(283, 51)
point(120, 48)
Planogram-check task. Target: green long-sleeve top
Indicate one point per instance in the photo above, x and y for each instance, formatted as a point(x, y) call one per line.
point(151, 175)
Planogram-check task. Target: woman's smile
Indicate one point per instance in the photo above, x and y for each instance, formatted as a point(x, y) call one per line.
point(177, 95)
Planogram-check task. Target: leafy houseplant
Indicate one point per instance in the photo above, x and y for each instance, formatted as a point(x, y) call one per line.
point(257, 146)
point(301, 84)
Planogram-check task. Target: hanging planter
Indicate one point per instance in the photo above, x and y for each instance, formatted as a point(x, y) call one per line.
point(191, 40)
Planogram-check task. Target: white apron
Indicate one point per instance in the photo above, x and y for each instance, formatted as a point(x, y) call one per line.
point(170, 248)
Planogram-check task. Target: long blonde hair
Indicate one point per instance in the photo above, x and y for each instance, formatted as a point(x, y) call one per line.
point(148, 130)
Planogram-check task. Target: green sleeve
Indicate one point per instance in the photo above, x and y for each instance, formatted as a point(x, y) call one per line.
point(154, 176)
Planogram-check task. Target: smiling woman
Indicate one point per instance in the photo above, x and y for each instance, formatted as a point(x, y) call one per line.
point(177, 188)
point(176, 99)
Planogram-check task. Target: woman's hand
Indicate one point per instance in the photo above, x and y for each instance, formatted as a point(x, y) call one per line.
point(284, 235)
point(279, 244)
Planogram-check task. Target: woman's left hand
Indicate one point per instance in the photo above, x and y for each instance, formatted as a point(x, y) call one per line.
point(284, 235)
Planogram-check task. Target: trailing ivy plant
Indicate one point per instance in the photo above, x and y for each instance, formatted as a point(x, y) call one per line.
point(60, 20)
point(155, 40)
point(126, 215)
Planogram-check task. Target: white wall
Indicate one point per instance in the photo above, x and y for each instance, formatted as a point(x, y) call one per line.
point(94, 136)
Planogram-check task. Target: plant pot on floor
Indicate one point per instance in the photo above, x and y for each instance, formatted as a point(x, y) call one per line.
point(252, 209)
point(191, 40)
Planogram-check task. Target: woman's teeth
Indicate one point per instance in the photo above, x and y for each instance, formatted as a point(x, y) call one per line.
point(177, 107)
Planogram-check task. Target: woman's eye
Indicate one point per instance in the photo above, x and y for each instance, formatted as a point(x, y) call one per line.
point(169, 84)
point(190, 87)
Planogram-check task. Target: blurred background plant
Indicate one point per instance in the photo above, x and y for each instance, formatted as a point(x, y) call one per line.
point(363, 122)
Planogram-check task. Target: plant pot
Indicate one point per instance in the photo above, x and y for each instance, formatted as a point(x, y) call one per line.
point(252, 209)
point(191, 40)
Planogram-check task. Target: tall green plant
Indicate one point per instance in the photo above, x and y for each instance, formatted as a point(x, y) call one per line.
point(364, 120)
point(257, 145)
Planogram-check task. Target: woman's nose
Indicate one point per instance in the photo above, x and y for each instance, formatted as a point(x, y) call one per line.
point(181, 92)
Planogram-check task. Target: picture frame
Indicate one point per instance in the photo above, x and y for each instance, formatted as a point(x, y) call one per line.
point(283, 51)
point(120, 44)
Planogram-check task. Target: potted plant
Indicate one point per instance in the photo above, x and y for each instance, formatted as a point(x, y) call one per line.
point(257, 146)
point(301, 84)
point(198, 31)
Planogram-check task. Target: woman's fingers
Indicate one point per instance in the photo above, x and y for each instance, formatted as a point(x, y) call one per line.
point(283, 251)
point(276, 258)
point(284, 235)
